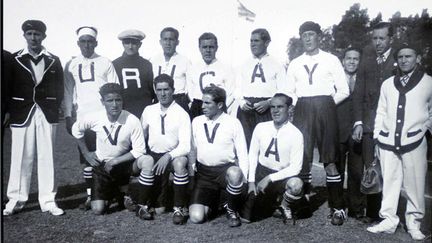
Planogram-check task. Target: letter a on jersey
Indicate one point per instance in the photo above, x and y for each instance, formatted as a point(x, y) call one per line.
point(258, 73)
point(271, 151)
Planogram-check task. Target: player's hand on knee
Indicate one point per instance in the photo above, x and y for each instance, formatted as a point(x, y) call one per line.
point(247, 106)
point(252, 188)
point(262, 185)
point(161, 165)
point(357, 133)
point(108, 165)
point(69, 123)
point(262, 106)
point(92, 159)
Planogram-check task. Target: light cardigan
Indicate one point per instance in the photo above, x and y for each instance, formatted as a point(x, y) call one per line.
point(404, 114)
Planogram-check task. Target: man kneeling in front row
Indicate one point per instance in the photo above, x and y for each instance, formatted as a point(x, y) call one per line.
point(120, 147)
point(275, 160)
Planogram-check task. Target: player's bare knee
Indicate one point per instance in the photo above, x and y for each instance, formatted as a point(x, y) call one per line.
point(98, 207)
point(180, 165)
point(234, 175)
point(331, 169)
point(196, 214)
point(144, 162)
point(294, 186)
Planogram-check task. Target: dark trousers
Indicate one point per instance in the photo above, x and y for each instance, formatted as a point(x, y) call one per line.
point(373, 200)
point(249, 119)
point(350, 155)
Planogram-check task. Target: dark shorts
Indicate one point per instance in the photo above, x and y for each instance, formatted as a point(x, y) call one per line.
point(90, 141)
point(106, 185)
point(162, 189)
point(210, 180)
point(316, 118)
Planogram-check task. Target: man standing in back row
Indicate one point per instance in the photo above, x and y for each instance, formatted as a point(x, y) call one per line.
point(375, 67)
point(175, 65)
point(135, 73)
point(318, 80)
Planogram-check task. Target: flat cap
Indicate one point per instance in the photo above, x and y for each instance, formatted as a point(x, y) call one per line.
point(131, 34)
point(406, 45)
point(310, 26)
point(34, 25)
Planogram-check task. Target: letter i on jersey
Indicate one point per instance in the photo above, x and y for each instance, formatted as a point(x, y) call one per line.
point(211, 138)
point(275, 151)
point(255, 73)
point(112, 141)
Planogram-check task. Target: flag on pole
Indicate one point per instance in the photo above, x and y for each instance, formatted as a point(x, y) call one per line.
point(243, 12)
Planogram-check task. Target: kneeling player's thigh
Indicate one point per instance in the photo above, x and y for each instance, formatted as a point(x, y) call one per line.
point(102, 188)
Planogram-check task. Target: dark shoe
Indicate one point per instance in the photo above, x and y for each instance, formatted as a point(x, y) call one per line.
point(233, 218)
point(144, 212)
point(339, 217)
point(330, 214)
point(86, 205)
point(129, 204)
point(180, 215)
point(287, 214)
point(369, 220)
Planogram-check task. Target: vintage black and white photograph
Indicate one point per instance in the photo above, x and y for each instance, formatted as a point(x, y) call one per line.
point(216, 121)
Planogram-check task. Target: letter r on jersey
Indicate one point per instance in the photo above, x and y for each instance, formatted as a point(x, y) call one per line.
point(131, 74)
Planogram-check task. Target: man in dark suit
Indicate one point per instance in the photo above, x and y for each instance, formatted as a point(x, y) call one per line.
point(375, 67)
point(35, 96)
point(349, 150)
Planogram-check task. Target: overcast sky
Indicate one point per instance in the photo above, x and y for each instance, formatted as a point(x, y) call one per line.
point(191, 17)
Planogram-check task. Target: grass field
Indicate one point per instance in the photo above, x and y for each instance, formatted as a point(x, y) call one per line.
point(31, 225)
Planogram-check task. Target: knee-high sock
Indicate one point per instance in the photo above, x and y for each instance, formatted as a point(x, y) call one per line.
point(180, 189)
point(307, 180)
point(88, 177)
point(335, 191)
point(146, 184)
point(234, 196)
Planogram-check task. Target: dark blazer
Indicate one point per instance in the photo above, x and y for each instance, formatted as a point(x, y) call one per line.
point(344, 111)
point(370, 76)
point(25, 94)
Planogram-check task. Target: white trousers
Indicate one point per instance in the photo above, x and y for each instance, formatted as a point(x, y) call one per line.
point(406, 171)
point(36, 140)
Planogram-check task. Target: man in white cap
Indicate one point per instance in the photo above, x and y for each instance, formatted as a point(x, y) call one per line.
point(35, 97)
point(83, 76)
point(135, 73)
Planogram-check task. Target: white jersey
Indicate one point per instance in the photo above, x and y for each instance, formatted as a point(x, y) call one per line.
point(168, 131)
point(177, 67)
point(277, 149)
point(320, 74)
point(113, 139)
point(83, 77)
point(220, 141)
point(203, 74)
point(260, 78)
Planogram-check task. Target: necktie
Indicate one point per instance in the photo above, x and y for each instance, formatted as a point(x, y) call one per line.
point(380, 59)
point(351, 83)
point(404, 80)
point(36, 60)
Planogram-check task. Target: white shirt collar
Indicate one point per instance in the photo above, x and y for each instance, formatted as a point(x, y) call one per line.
point(43, 51)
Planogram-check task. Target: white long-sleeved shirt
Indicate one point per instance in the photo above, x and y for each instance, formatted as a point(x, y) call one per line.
point(320, 74)
point(203, 74)
point(169, 131)
point(220, 141)
point(260, 78)
point(277, 149)
point(177, 67)
point(82, 79)
point(113, 139)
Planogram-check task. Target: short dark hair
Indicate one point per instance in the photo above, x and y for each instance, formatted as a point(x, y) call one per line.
point(382, 25)
point(170, 29)
point(265, 36)
point(207, 36)
point(164, 78)
point(110, 88)
point(352, 48)
point(310, 26)
point(288, 100)
point(218, 94)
